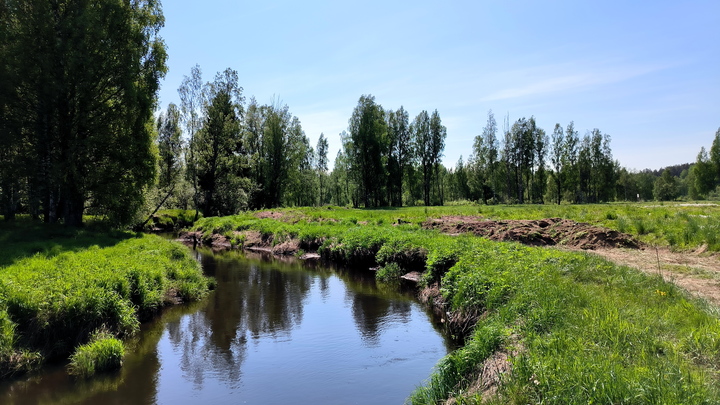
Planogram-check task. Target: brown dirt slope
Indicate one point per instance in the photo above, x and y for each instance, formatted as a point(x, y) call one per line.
point(543, 232)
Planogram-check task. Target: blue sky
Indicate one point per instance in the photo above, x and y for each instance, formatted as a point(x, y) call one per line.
point(645, 72)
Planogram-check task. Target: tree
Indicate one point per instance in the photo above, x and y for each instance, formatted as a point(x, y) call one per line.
point(300, 156)
point(219, 166)
point(368, 136)
point(421, 138)
point(170, 147)
point(715, 155)
point(191, 101)
point(400, 153)
point(703, 174)
point(84, 102)
point(539, 178)
point(322, 166)
point(519, 157)
point(274, 154)
point(438, 134)
point(462, 190)
point(665, 187)
point(484, 161)
point(556, 159)
point(597, 167)
point(570, 159)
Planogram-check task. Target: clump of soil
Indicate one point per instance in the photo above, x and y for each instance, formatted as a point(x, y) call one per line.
point(270, 214)
point(543, 232)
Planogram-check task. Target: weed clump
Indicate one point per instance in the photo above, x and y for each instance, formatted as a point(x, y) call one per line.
point(103, 353)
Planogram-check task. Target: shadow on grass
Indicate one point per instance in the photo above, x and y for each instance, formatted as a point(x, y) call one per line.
point(25, 238)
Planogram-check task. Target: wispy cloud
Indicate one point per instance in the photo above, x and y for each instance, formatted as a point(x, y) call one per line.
point(545, 80)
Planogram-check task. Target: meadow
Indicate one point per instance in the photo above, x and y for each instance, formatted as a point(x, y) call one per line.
point(75, 293)
point(541, 325)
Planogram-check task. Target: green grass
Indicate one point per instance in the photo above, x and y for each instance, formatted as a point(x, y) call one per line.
point(586, 331)
point(576, 328)
point(57, 288)
point(102, 353)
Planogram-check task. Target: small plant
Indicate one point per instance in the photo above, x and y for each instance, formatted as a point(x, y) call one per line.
point(103, 353)
point(389, 272)
point(622, 225)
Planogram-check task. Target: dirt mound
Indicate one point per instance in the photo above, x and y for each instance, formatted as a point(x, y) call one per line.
point(270, 214)
point(543, 232)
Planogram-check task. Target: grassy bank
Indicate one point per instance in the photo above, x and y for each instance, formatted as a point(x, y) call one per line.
point(679, 226)
point(550, 326)
point(61, 287)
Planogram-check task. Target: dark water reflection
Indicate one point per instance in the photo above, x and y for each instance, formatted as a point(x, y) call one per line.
point(271, 333)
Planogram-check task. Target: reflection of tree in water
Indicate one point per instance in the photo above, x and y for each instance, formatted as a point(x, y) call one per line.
point(273, 300)
point(372, 313)
point(249, 299)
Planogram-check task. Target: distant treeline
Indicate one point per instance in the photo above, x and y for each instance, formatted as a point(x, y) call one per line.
point(79, 136)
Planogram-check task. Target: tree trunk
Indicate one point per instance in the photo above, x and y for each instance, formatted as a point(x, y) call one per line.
point(74, 206)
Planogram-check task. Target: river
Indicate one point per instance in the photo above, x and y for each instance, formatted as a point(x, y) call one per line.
point(272, 332)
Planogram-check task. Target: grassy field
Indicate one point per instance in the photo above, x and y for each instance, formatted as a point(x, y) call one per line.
point(65, 289)
point(550, 326)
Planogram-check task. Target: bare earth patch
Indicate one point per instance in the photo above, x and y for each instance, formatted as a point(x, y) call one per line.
point(543, 232)
point(270, 214)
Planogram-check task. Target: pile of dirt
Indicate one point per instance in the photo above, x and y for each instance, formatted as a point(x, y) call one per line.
point(270, 214)
point(543, 232)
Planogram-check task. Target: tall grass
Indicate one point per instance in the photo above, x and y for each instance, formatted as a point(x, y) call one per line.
point(589, 331)
point(54, 300)
point(103, 353)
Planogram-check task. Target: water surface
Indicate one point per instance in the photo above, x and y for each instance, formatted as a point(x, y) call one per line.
point(272, 332)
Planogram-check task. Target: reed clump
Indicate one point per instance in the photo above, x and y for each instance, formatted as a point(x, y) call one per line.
point(104, 352)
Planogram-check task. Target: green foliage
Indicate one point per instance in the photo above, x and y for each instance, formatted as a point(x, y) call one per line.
point(221, 172)
point(389, 272)
point(665, 187)
point(79, 112)
point(53, 300)
point(443, 254)
point(102, 353)
point(365, 148)
point(172, 219)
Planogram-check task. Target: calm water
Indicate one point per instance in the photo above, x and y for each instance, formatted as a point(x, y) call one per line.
point(271, 333)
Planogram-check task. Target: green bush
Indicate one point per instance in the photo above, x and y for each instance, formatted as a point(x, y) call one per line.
point(389, 272)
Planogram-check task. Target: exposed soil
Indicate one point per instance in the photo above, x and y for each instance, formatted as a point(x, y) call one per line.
point(489, 374)
point(251, 240)
point(543, 232)
point(270, 214)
